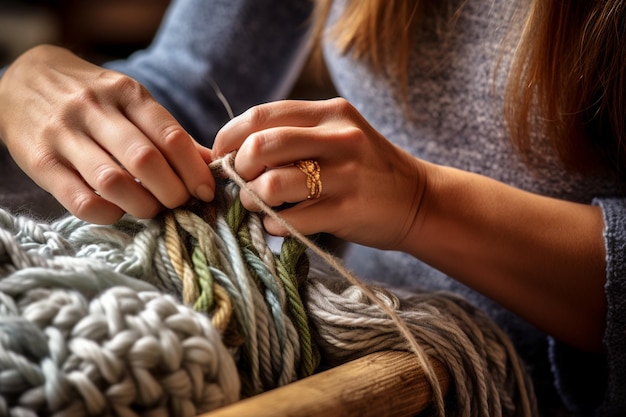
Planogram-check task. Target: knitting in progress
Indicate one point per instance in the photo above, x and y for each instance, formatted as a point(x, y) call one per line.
point(192, 311)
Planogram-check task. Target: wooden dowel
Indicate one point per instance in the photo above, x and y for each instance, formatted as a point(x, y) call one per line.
point(381, 384)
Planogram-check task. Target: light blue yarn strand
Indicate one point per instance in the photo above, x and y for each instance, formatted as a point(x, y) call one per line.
point(280, 353)
point(240, 276)
point(284, 353)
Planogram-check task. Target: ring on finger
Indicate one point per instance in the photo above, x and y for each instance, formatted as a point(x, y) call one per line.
point(312, 170)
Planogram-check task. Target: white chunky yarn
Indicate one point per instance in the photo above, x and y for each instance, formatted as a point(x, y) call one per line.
point(123, 353)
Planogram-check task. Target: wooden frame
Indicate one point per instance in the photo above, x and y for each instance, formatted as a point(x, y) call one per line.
point(389, 383)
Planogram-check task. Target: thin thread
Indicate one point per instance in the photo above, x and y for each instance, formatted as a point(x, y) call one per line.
point(222, 98)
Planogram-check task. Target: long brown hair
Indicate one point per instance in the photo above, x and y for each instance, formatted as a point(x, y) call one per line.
point(570, 63)
point(376, 31)
point(569, 69)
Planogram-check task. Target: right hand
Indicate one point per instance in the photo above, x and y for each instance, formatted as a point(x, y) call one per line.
point(96, 140)
point(365, 177)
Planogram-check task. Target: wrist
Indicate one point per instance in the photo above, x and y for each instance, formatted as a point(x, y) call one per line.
point(427, 182)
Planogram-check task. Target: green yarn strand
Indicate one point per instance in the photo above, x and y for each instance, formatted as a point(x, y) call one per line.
point(205, 301)
point(291, 257)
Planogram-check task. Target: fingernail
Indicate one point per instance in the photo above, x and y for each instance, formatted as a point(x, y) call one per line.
point(205, 193)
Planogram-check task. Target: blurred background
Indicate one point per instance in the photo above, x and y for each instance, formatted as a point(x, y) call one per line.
point(100, 30)
point(96, 29)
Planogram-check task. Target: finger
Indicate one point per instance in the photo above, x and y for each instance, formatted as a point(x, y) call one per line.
point(182, 153)
point(265, 116)
point(275, 188)
point(78, 198)
point(276, 147)
point(308, 217)
point(205, 153)
point(107, 178)
point(138, 155)
point(174, 143)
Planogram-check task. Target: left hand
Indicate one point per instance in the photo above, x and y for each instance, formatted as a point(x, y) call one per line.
point(371, 188)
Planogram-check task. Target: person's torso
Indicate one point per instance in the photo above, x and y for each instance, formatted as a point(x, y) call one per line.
point(456, 99)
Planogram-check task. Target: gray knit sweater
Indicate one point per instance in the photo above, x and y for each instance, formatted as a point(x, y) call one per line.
point(253, 49)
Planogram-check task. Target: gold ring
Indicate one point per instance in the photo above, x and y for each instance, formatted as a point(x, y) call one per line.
point(312, 170)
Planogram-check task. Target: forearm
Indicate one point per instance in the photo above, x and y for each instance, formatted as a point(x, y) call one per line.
point(540, 257)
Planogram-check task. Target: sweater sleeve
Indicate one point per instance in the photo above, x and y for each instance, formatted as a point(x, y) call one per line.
point(595, 384)
point(252, 50)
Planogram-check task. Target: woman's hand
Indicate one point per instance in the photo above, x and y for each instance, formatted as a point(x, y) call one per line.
point(371, 189)
point(541, 257)
point(96, 139)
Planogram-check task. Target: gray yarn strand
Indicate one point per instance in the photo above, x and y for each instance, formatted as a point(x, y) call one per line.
point(481, 361)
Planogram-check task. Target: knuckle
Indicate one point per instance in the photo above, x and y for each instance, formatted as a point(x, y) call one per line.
point(256, 143)
point(173, 136)
point(80, 101)
point(269, 185)
point(341, 106)
point(90, 207)
point(84, 206)
point(126, 86)
point(108, 178)
point(256, 115)
point(44, 160)
point(351, 135)
point(141, 156)
point(53, 129)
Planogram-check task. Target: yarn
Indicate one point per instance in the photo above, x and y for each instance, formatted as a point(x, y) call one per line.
point(192, 310)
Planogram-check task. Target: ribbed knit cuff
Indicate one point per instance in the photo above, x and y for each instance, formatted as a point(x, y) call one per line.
point(595, 384)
